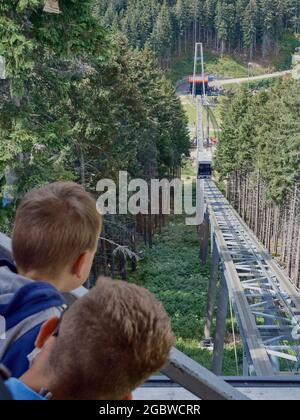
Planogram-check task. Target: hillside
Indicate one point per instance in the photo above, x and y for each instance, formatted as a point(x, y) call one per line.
point(227, 66)
point(170, 28)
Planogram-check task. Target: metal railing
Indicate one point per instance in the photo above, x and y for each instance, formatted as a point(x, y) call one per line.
point(198, 380)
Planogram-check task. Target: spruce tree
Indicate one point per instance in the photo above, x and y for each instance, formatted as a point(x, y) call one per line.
point(249, 26)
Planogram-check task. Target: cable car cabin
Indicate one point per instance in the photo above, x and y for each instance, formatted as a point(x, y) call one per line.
point(198, 80)
point(205, 166)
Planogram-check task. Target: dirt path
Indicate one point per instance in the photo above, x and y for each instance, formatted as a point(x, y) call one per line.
point(241, 80)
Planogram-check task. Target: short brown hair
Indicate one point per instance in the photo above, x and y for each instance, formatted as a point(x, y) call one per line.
point(53, 226)
point(110, 341)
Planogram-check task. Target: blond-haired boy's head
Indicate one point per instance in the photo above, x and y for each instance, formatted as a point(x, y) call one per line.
point(55, 234)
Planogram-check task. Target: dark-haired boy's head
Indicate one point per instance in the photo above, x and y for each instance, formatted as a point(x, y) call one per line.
point(55, 234)
point(109, 342)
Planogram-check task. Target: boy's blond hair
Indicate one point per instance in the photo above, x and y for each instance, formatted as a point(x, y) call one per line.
point(54, 225)
point(109, 342)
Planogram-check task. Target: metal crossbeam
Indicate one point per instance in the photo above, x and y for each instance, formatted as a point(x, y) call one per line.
point(198, 380)
point(265, 301)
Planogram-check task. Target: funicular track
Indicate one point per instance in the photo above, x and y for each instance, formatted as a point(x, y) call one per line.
point(265, 302)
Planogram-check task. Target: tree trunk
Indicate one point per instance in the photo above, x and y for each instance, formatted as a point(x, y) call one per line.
point(82, 168)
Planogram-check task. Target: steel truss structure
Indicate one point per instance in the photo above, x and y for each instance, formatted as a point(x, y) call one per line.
point(265, 302)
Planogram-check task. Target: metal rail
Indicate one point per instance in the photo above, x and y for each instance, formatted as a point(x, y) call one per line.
point(198, 380)
point(266, 303)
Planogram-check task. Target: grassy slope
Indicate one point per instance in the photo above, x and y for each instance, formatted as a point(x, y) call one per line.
point(171, 270)
point(190, 110)
point(227, 66)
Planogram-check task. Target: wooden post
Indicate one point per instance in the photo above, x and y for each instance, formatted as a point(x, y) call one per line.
point(112, 265)
point(144, 219)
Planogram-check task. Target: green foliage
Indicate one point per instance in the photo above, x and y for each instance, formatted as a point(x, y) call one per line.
point(250, 17)
point(227, 159)
point(261, 132)
point(173, 25)
point(79, 103)
point(287, 47)
point(6, 215)
point(171, 270)
point(188, 169)
point(161, 38)
point(29, 36)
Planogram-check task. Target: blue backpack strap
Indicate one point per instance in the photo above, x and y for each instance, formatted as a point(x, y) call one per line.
point(6, 263)
point(5, 395)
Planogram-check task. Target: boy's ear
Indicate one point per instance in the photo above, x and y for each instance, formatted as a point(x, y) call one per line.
point(46, 331)
point(128, 397)
point(78, 264)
